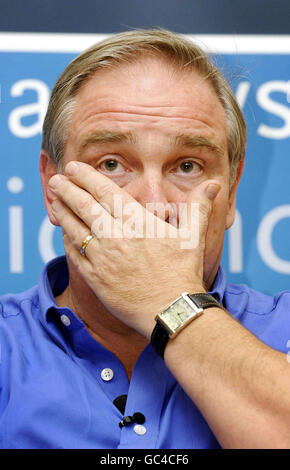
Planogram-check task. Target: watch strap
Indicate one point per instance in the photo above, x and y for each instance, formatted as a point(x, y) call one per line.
point(204, 300)
point(160, 336)
point(159, 339)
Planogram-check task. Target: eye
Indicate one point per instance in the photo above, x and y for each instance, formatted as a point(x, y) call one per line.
point(111, 165)
point(189, 166)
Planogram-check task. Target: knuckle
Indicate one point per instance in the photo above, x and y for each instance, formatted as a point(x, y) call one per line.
point(104, 189)
point(83, 203)
point(74, 240)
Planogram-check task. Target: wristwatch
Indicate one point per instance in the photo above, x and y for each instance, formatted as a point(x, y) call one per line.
point(177, 315)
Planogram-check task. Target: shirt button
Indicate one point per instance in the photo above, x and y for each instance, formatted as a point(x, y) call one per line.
point(65, 320)
point(139, 429)
point(107, 374)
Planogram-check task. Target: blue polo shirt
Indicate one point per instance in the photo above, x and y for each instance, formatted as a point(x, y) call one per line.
point(57, 384)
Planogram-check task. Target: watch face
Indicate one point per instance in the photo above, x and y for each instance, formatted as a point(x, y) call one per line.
point(175, 315)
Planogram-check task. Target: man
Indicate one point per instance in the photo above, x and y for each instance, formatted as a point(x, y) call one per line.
point(159, 123)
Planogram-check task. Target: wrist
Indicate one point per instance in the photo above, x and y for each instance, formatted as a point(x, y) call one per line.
point(178, 315)
point(159, 305)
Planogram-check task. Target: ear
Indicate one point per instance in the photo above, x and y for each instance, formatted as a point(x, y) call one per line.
point(232, 195)
point(47, 169)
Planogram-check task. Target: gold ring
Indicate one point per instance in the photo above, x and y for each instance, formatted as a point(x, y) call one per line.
point(85, 244)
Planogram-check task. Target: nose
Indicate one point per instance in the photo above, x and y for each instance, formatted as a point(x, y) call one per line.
point(150, 190)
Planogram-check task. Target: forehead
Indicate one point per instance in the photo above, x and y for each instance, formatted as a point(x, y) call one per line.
point(150, 93)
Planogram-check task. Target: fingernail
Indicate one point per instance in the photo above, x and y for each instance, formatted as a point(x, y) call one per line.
point(56, 205)
point(211, 190)
point(55, 181)
point(71, 168)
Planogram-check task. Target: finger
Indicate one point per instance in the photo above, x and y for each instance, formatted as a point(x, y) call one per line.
point(193, 221)
point(75, 229)
point(201, 197)
point(82, 263)
point(103, 189)
point(116, 201)
point(81, 203)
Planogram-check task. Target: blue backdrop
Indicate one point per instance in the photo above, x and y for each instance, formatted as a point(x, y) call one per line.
point(257, 248)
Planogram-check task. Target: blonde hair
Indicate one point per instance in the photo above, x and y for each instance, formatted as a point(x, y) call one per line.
point(128, 47)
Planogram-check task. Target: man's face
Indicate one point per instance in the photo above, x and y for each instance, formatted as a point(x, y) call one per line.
point(156, 133)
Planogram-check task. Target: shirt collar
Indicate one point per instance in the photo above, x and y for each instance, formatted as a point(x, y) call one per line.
point(219, 286)
point(52, 282)
point(54, 279)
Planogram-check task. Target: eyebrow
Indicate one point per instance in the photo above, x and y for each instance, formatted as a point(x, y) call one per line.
point(183, 140)
point(105, 137)
point(193, 141)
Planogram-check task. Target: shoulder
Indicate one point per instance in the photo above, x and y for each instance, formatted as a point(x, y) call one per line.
point(17, 322)
point(17, 313)
point(12, 305)
point(268, 317)
point(244, 299)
